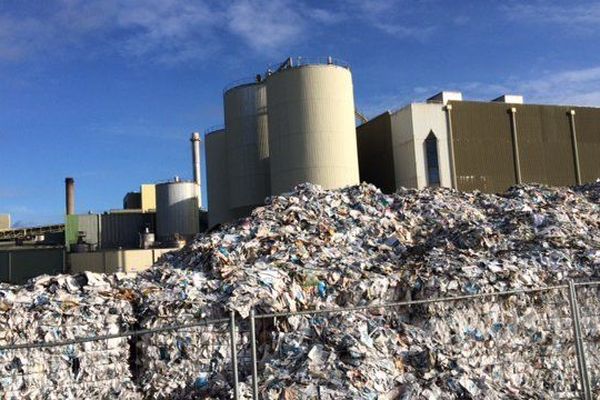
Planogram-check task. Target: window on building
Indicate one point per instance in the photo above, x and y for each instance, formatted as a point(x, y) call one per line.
point(432, 164)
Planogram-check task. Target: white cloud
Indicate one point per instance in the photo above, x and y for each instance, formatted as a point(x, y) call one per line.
point(177, 31)
point(570, 87)
point(577, 16)
point(266, 24)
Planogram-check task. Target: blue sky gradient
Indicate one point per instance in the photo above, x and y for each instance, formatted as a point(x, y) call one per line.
point(109, 91)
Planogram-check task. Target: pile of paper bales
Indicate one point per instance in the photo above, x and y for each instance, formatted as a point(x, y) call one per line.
point(51, 309)
point(317, 249)
point(314, 249)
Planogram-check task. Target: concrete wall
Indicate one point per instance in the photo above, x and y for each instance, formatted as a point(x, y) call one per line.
point(403, 148)
point(148, 192)
point(115, 260)
point(428, 118)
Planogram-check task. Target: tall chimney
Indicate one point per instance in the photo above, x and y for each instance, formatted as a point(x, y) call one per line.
point(70, 195)
point(196, 161)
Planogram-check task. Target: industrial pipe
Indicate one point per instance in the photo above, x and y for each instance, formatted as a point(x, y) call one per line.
point(571, 114)
point(70, 195)
point(196, 161)
point(515, 144)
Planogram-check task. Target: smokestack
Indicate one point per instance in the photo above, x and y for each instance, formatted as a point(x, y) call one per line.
point(70, 195)
point(196, 161)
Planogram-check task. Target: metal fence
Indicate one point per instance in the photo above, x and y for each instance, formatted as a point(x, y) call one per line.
point(517, 339)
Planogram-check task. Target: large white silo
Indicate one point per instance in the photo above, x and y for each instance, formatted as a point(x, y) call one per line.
point(217, 178)
point(177, 214)
point(247, 144)
point(312, 135)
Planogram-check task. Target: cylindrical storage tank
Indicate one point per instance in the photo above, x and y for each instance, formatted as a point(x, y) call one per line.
point(216, 176)
point(245, 109)
point(312, 134)
point(176, 210)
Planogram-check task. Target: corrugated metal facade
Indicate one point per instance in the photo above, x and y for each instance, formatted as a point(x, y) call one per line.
point(482, 146)
point(587, 122)
point(375, 158)
point(123, 229)
point(545, 145)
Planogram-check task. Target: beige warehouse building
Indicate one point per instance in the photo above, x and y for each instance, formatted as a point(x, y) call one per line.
point(475, 145)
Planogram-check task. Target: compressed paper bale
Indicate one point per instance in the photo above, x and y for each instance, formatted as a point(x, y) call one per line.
point(54, 309)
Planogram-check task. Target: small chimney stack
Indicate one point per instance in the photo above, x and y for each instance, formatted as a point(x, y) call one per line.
point(70, 195)
point(196, 161)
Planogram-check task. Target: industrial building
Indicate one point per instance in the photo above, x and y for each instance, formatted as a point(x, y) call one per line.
point(473, 145)
point(296, 124)
point(157, 219)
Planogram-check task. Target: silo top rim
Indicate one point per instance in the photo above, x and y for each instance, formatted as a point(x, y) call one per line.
point(244, 82)
point(299, 62)
point(214, 132)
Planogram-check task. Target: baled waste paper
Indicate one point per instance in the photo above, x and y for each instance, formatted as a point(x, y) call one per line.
point(61, 308)
point(315, 249)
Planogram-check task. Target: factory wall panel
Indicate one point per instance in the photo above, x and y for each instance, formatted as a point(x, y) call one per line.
point(123, 229)
point(148, 192)
point(482, 146)
point(4, 221)
point(19, 265)
point(217, 178)
point(403, 147)
point(587, 123)
point(545, 145)
point(109, 261)
point(90, 225)
point(4, 266)
point(247, 139)
point(375, 155)
point(430, 119)
point(312, 132)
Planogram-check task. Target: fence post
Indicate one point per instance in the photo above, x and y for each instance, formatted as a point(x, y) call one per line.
point(579, 349)
point(234, 361)
point(254, 361)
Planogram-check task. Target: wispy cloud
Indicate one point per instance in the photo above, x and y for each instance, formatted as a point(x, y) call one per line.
point(177, 31)
point(266, 24)
point(568, 87)
point(577, 16)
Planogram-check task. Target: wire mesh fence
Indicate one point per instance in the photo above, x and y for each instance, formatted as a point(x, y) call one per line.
point(527, 343)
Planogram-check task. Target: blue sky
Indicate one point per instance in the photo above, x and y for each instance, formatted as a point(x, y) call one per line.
point(109, 91)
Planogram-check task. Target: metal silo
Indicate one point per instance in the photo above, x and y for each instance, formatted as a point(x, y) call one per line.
point(247, 144)
point(312, 134)
point(176, 210)
point(216, 177)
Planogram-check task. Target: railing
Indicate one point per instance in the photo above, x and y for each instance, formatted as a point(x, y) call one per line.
point(548, 335)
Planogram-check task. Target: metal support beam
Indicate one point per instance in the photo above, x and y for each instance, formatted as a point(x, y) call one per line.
point(515, 144)
point(253, 355)
point(234, 360)
point(571, 115)
point(448, 109)
point(579, 349)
